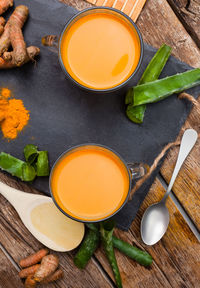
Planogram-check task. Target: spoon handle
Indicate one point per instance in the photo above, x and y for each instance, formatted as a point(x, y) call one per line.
point(187, 143)
point(17, 198)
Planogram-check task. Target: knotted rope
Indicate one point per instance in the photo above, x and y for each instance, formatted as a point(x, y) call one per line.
point(166, 148)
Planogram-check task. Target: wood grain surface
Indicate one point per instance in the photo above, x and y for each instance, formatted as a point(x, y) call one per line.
point(188, 12)
point(177, 255)
point(186, 187)
point(159, 24)
point(8, 278)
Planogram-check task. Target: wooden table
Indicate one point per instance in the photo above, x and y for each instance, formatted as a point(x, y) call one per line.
point(177, 255)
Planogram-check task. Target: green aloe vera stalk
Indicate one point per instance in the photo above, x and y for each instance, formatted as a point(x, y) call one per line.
point(88, 246)
point(42, 164)
point(151, 73)
point(38, 159)
point(160, 89)
point(133, 252)
point(30, 153)
point(16, 167)
point(106, 231)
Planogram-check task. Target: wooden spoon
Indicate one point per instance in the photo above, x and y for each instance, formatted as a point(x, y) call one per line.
point(24, 203)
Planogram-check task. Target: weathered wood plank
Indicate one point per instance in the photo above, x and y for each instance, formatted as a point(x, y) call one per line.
point(159, 24)
point(176, 256)
point(8, 273)
point(19, 243)
point(188, 11)
point(187, 183)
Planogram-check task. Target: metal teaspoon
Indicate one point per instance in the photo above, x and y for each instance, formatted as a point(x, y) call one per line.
point(156, 218)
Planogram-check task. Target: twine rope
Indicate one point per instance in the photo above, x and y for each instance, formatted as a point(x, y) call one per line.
point(165, 149)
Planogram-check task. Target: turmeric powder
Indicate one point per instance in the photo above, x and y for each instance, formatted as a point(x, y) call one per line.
point(5, 93)
point(13, 115)
point(3, 108)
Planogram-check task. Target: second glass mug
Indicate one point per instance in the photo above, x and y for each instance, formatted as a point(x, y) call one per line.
point(134, 171)
point(56, 41)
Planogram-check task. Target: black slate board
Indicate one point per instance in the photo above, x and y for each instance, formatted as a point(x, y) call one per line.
point(62, 115)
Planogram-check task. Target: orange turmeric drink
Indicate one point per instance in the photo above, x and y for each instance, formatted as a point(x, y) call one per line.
point(89, 183)
point(100, 49)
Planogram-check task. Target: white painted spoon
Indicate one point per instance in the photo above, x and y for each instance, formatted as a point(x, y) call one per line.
point(24, 203)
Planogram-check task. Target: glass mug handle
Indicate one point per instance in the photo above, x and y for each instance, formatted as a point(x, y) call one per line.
point(137, 170)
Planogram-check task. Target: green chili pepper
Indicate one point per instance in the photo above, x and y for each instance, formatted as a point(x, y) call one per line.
point(106, 230)
point(136, 254)
point(30, 153)
point(151, 73)
point(16, 167)
point(42, 164)
point(88, 247)
point(160, 89)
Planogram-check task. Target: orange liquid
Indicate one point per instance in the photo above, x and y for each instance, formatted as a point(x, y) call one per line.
point(90, 183)
point(100, 50)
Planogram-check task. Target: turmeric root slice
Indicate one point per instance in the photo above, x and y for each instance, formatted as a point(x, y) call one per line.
point(29, 271)
point(30, 282)
point(7, 62)
point(48, 266)
point(4, 5)
point(18, 44)
point(19, 17)
point(2, 24)
point(34, 258)
point(54, 277)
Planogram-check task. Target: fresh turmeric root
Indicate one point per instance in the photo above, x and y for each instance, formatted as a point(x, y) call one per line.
point(48, 266)
point(43, 273)
point(29, 271)
point(34, 258)
point(2, 24)
point(4, 5)
point(30, 282)
point(18, 19)
point(54, 277)
point(18, 44)
point(7, 61)
point(11, 34)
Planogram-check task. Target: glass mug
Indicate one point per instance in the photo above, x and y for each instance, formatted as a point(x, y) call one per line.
point(100, 49)
point(91, 182)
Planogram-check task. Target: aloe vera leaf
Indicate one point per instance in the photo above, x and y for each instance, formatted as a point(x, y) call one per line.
point(87, 248)
point(28, 172)
point(42, 164)
point(16, 167)
point(160, 89)
point(30, 153)
point(140, 256)
point(106, 231)
point(151, 73)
